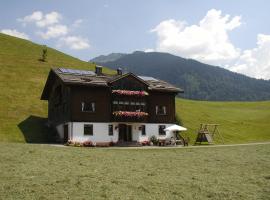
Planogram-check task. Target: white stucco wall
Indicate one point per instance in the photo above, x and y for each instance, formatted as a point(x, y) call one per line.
point(101, 131)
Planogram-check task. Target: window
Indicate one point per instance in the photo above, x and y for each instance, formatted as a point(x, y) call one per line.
point(143, 130)
point(110, 129)
point(161, 130)
point(161, 110)
point(88, 129)
point(88, 107)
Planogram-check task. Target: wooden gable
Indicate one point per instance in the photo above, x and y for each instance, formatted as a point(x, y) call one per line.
point(48, 86)
point(129, 82)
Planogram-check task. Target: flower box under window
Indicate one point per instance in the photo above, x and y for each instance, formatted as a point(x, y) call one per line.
point(130, 93)
point(129, 114)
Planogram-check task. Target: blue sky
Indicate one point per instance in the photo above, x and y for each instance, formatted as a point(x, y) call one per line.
point(231, 34)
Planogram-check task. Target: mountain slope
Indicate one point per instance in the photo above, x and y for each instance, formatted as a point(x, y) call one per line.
point(108, 58)
point(199, 81)
point(22, 78)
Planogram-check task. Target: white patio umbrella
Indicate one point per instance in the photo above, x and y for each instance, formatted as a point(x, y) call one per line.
point(175, 128)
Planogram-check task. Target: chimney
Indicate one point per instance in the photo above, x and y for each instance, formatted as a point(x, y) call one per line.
point(119, 71)
point(98, 70)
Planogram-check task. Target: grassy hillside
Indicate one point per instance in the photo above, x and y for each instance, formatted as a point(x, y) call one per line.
point(22, 78)
point(23, 114)
point(240, 122)
point(47, 172)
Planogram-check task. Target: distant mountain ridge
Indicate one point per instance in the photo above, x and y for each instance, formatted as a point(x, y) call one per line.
point(199, 81)
point(108, 58)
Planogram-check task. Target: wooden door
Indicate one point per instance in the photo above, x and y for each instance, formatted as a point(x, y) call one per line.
point(125, 133)
point(122, 132)
point(129, 133)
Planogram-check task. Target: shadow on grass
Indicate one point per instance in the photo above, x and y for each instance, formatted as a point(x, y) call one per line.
point(35, 130)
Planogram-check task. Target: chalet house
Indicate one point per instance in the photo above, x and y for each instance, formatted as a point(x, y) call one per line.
point(87, 105)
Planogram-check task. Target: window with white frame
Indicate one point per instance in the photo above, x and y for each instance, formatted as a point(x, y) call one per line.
point(88, 129)
point(88, 106)
point(161, 130)
point(161, 110)
point(143, 129)
point(110, 129)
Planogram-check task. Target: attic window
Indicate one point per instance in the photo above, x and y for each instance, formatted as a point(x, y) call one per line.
point(88, 106)
point(161, 110)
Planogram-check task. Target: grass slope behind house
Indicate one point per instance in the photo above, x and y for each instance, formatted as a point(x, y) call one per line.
point(240, 122)
point(48, 172)
point(22, 78)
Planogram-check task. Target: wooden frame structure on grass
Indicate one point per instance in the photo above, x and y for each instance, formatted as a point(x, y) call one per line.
point(207, 134)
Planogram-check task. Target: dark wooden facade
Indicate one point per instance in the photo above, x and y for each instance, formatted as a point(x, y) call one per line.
point(100, 96)
point(65, 101)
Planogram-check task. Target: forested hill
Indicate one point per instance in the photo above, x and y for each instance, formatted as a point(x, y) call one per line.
point(199, 81)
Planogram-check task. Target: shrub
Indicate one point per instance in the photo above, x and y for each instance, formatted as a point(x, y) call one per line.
point(145, 143)
point(111, 143)
point(88, 143)
point(154, 139)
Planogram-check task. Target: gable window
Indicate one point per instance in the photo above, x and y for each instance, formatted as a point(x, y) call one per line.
point(88, 129)
point(110, 129)
point(161, 110)
point(143, 130)
point(88, 106)
point(161, 130)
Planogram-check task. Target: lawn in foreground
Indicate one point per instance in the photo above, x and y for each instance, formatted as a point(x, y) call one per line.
point(48, 172)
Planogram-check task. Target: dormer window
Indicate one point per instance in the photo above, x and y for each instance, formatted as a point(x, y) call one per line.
point(161, 110)
point(88, 107)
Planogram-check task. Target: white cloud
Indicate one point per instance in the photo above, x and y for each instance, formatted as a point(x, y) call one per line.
point(50, 26)
point(54, 31)
point(208, 41)
point(255, 62)
point(15, 33)
point(49, 19)
point(40, 19)
point(74, 42)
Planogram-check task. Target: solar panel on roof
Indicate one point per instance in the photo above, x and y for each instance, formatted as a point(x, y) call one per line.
point(147, 78)
point(76, 71)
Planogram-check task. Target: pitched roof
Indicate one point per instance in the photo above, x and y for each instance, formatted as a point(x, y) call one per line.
point(90, 78)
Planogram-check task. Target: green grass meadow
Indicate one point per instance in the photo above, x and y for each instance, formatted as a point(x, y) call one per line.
point(239, 122)
point(29, 171)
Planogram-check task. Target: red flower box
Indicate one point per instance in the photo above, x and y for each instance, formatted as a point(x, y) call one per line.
point(130, 93)
point(130, 114)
